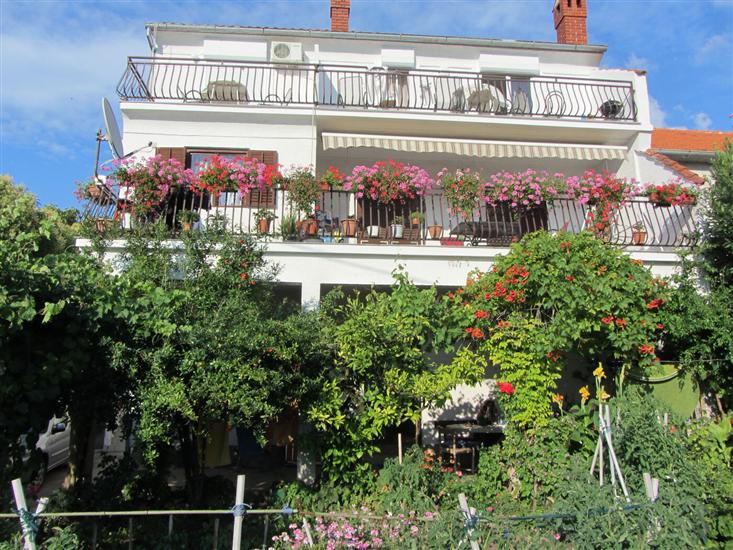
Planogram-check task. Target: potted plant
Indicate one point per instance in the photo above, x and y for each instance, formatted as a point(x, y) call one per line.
point(288, 229)
point(671, 194)
point(435, 231)
point(187, 219)
point(638, 234)
point(303, 189)
point(397, 228)
point(332, 179)
point(91, 190)
point(349, 226)
point(463, 190)
point(416, 218)
point(264, 217)
point(219, 175)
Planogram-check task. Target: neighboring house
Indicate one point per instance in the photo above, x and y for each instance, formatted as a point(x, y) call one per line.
point(687, 152)
point(344, 98)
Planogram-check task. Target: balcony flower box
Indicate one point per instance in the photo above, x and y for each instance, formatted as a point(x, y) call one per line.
point(671, 194)
point(389, 182)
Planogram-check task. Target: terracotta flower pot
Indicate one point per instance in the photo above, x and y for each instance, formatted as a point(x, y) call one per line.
point(415, 221)
point(263, 226)
point(309, 227)
point(435, 232)
point(348, 228)
point(638, 237)
point(187, 226)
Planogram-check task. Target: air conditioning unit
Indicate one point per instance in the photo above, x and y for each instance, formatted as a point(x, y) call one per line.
point(286, 52)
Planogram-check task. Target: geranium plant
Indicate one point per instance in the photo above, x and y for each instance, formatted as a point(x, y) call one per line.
point(218, 174)
point(148, 182)
point(599, 187)
point(523, 190)
point(389, 181)
point(672, 194)
point(463, 190)
point(333, 178)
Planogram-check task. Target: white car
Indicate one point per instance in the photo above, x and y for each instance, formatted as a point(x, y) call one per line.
point(54, 446)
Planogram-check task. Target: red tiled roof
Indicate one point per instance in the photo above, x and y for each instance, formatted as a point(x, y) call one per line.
point(682, 170)
point(689, 140)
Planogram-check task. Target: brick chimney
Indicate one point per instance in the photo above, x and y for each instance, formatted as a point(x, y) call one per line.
point(340, 15)
point(570, 21)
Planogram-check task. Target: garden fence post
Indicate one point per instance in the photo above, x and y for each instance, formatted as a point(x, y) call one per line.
point(26, 520)
point(399, 446)
point(238, 514)
point(470, 520)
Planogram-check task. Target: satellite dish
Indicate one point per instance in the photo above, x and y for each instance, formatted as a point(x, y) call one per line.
point(113, 136)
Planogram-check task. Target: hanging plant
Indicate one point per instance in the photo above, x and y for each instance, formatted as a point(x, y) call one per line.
point(389, 182)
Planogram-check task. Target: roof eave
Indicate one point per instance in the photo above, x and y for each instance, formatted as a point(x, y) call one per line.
point(408, 38)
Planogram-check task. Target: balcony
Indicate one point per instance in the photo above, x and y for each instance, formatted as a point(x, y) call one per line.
point(185, 80)
point(343, 219)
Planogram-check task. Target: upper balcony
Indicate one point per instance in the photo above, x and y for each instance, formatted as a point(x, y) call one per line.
point(193, 81)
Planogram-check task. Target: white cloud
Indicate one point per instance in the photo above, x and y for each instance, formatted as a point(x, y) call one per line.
point(636, 62)
point(712, 48)
point(702, 121)
point(659, 115)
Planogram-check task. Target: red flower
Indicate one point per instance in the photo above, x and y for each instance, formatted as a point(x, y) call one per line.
point(654, 304)
point(244, 275)
point(621, 323)
point(477, 334)
point(553, 355)
point(506, 387)
point(569, 278)
point(660, 326)
point(503, 324)
point(646, 349)
point(480, 314)
point(607, 320)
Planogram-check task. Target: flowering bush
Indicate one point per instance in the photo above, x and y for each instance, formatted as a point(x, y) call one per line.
point(219, 174)
point(463, 190)
point(389, 181)
point(672, 194)
point(523, 190)
point(354, 532)
point(148, 182)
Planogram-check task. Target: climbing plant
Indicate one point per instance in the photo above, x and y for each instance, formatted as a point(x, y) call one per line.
point(556, 295)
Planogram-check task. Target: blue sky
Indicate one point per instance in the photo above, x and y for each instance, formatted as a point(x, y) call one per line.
point(58, 58)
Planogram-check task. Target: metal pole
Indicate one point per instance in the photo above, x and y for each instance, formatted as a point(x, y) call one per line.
point(29, 542)
point(130, 535)
point(170, 525)
point(216, 533)
point(238, 516)
point(399, 446)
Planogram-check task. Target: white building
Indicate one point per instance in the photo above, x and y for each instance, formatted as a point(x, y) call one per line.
point(343, 98)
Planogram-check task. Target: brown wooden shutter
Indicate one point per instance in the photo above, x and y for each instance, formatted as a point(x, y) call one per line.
point(256, 198)
point(178, 153)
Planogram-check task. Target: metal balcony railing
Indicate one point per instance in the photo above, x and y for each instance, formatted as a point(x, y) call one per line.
point(342, 218)
point(249, 83)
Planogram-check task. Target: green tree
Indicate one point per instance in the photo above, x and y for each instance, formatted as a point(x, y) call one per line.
point(209, 343)
point(718, 245)
point(384, 372)
point(55, 309)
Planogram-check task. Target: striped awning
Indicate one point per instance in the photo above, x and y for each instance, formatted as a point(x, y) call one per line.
point(475, 148)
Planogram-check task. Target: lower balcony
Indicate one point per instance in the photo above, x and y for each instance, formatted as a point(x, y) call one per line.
point(340, 218)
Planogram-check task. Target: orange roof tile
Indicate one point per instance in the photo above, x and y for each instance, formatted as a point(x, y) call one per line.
point(683, 171)
point(689, 140)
